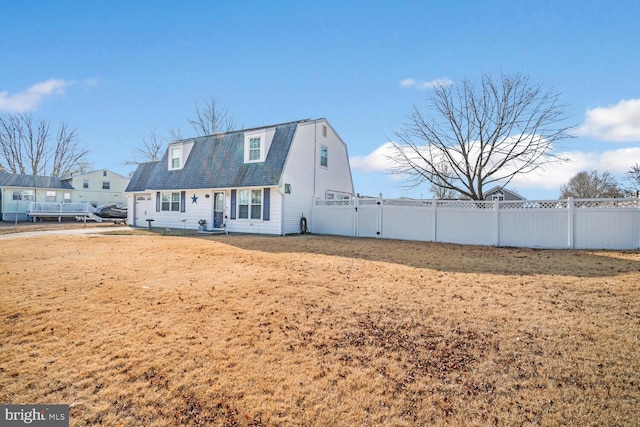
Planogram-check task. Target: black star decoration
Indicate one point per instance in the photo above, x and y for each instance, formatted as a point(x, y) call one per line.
point(194, 199)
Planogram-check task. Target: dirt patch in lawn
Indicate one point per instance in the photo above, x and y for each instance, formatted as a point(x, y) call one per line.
point(310, 330)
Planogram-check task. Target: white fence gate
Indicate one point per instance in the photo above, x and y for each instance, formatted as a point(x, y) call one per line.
point(569, 224)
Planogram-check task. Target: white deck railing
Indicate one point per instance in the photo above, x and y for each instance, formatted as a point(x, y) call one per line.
point(57, 209)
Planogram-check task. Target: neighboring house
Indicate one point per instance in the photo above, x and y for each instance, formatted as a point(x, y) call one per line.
point(260, 180)
point(16, 191)
point(500, 193)
point(99, 187)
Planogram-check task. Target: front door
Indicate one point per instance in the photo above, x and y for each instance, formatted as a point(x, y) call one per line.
point(143, 209)
point(218, 210)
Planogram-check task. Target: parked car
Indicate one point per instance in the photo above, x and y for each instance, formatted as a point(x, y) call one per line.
point(111, 211)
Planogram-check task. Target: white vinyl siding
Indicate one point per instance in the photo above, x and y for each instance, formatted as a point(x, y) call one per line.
point(89, 188)
point(307, 184)
point(203, 209)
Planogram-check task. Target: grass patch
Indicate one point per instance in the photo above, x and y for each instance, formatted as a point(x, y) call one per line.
point(312, 330)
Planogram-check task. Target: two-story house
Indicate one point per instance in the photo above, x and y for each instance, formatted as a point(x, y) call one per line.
point(260, 180)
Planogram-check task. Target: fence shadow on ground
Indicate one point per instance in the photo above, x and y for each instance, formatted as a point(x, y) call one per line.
point(450, 257)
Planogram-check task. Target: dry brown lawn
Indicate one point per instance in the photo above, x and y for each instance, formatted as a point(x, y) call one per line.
point(156, 330)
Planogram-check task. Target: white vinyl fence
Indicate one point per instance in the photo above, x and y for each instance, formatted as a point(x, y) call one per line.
point(568, 224)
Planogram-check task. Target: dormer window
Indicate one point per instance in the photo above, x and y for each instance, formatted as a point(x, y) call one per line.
point(176, 156)
point(256, 145)
point(254, 149)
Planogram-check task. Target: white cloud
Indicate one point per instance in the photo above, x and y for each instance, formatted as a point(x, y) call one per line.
point(618, 123)
point(551, 178)
point(33, 96)
point(376, 161)
point(617, 162)
point(423, 85)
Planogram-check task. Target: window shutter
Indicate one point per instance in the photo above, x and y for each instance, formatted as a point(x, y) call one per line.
point(233, 204)
point(183, 200)
point(157, 201)
point(266, 202)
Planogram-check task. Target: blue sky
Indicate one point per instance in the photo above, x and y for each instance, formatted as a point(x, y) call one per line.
point(116, 70)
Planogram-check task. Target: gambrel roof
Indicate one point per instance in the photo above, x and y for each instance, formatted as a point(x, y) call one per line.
point(33, 181)
point(217, 161)
point(497, 189)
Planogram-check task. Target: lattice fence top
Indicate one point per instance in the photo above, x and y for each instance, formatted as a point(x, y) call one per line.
point(606, 203)
point(334, 202)
point(368, 202)
point(465, 204)
point(407, 202)
point(482, 204)
point(535, 204)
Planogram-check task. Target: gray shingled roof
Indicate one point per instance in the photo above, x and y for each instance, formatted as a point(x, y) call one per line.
point(33, 181)
point(217, 161)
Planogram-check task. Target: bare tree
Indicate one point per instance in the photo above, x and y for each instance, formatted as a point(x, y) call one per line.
point(485, 135)
point(10, 144)
point(591, 185)
point(632, 178)
point(69, 158)
point(23, 142)
point(439, 190)
point(208, 120)
point(26, 147)
point(152, 147)
point(212, 119)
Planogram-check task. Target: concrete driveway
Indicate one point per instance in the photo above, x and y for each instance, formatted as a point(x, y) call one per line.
point(65, 231)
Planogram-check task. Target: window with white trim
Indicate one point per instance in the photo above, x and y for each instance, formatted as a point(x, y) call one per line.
point(50, 196)
point(324, 156)
point(67, 197)
point(176, 157)
point(85, 184)
point(26, 195)
point(254, 149)
point(106, 185)
point(256, 145)
point(170, 201)
point(250, 204)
